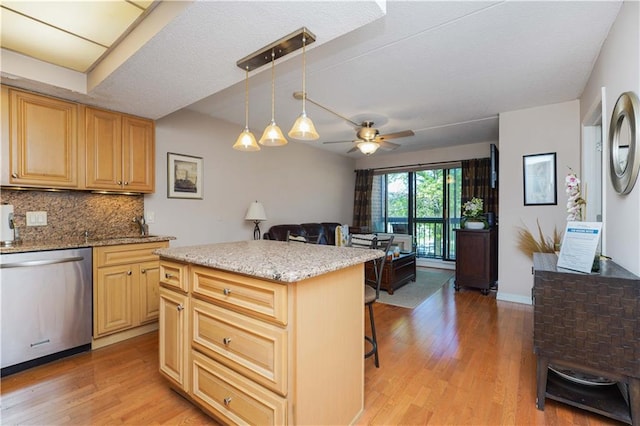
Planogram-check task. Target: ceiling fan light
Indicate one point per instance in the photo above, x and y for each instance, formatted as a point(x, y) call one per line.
point(368, 147)
point(272, 136)
point(246, 141)
point(303, 129)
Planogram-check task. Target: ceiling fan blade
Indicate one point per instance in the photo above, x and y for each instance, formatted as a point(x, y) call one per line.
point(300, 95)
point(354, 149)
point(389, 146)
point(396, 135)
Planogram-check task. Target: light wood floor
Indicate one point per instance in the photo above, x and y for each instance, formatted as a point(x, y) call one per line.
point(459, 358)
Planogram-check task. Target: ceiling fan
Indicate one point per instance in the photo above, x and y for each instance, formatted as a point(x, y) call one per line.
point(368, 137)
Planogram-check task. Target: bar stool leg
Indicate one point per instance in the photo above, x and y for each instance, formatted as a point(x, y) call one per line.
point(373, 340)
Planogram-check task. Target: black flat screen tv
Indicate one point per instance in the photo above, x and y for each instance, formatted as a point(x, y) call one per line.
point(494, 165)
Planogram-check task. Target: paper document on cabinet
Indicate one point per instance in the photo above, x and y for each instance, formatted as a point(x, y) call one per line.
point(579, 245)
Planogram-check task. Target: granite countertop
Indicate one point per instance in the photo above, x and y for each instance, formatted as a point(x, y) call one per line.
point(26, 246)
point(273, 260)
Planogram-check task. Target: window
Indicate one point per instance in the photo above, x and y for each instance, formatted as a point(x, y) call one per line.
point(424, 203)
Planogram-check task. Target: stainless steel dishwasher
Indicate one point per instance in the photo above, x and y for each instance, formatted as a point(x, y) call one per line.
point(46, 299)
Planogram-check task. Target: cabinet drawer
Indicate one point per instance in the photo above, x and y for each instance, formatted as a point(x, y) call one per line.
point(233, 398)
point(174, 275)
point(252, 347)
point(126, 253)
point(261, 298)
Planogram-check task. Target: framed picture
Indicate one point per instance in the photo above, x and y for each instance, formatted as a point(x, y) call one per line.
point(184, 176)
point(539, 173)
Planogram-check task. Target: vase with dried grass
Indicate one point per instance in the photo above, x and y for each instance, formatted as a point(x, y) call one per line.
point(529, 243)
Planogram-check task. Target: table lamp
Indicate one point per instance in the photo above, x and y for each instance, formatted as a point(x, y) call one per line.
point(256, 214)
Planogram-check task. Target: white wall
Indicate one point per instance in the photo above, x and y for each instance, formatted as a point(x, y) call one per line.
point(618, 70)
point(295, 183)
point(550, 128)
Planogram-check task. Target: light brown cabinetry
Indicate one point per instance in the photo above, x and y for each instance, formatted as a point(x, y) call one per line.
point(43, 141)
point(119, 151)
point(125, 290)
point(257, 351)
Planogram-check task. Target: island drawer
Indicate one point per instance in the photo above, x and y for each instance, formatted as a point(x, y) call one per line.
point(174, 275)
point(254, 348)
point(233, 398)
point(260, 298)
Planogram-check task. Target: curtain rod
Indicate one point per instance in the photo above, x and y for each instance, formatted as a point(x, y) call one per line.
point(408, 166)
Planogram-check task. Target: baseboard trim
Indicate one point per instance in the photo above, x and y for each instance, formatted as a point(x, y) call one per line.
point(516, 298)
point(123, 335)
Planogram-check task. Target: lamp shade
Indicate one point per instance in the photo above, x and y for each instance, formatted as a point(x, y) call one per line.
point(368, 147)
point(246, 141)
point(255, 212)
point(303, 129)
point(272, 136)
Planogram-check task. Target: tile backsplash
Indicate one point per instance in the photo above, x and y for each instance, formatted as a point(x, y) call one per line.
point(71, 213)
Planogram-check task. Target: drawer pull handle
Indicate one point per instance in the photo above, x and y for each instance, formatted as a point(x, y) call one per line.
point(180, 307)
point(143, 271)
point(128, 272)
point(119, 182)
point(14, 175)
point(226, 341)
point(226, 291)
point(126, 182)
point(168, 276)
point(227, 401)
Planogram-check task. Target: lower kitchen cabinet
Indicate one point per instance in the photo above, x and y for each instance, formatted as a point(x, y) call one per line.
point(126, 296)
point(254, 351)
point(174, 307)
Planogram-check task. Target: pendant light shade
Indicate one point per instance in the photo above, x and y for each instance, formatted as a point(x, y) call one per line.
point(272, 135)
point(368, 147)
point(303, 128)
point(246, 141)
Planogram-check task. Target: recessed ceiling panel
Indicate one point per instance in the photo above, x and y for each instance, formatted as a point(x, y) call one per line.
point(46, 43)
point(99, 21)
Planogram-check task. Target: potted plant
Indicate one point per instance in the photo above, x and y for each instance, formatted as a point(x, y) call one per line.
point(473, 214)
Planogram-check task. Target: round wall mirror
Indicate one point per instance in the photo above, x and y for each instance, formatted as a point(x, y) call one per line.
point(624, 149)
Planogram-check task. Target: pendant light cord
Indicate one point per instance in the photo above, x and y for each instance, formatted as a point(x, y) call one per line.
point(273, 87)
point(246, 99)
point(304, 73)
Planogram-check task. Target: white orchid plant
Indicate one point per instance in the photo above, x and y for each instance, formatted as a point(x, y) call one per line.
point(575, 201)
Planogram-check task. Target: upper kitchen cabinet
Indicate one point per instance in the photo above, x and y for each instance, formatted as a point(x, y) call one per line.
point(120, 152)
point(43, 141)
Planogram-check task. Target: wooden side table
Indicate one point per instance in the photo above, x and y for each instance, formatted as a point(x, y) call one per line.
point(397, 272)
point(588, 324)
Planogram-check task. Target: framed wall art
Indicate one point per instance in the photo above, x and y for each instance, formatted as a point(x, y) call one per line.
point(540, 183)
point(184, 176)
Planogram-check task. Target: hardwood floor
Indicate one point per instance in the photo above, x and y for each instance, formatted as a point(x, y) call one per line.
point(459, 358)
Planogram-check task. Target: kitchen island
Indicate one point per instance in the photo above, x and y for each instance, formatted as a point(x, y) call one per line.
point(265, 332)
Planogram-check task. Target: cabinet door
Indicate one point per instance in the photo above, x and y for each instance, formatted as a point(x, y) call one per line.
point(173, 336)
point(44, 142)
point(138, 154)
point(113, 299)
point(103, 149)
point(149, 291)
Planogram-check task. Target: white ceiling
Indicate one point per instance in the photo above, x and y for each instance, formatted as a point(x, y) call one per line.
point(442, 69)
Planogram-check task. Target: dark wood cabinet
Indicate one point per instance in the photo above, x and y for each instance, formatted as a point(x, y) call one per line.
point(476, 258)
point(397, 271)
point(587, 325)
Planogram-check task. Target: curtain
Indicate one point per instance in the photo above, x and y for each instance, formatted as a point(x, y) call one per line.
point(362, 199)
point(476, 182)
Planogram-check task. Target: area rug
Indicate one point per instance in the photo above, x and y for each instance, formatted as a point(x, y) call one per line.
point(410, 295)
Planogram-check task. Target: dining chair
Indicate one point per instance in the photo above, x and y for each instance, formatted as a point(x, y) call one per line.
point(372, 282)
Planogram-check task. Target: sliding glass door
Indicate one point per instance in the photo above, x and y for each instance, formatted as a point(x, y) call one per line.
point(422, 203)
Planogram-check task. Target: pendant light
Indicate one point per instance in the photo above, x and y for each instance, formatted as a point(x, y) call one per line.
point(246, 141)
point(272, 135)
point(303, 128)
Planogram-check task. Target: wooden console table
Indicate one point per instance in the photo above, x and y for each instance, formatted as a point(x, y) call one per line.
point(397, 272)
point(588, 324)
